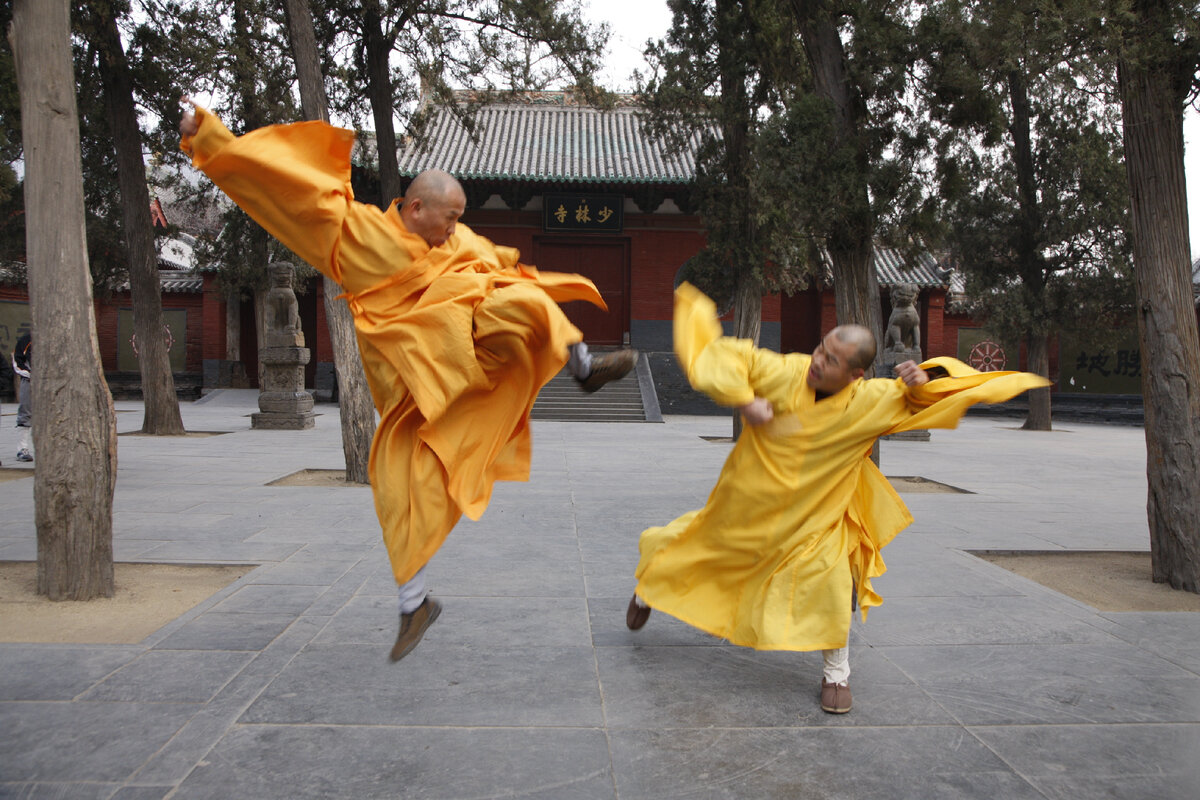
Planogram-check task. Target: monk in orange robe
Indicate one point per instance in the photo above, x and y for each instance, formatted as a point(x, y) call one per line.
point(794, 527)
point(456, 335)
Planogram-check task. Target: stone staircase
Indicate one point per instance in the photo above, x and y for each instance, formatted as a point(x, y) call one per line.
point(631, 399)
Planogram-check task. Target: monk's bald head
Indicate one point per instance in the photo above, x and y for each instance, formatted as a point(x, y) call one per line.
point(432, 205)
point(863, 342)
point(433, 185)
point(841, 358)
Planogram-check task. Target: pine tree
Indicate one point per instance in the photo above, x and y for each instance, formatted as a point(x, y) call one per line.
point(1028, 154)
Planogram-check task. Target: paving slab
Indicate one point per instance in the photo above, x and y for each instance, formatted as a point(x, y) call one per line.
point(969, 682)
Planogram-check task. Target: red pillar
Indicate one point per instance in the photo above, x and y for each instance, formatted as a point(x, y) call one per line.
point(935, 332)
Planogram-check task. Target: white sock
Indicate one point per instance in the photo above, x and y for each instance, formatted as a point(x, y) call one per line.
point(580, 362)
point(412, 594)
point(837, 665)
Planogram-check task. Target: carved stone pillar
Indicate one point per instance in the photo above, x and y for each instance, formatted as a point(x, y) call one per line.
point(282, 401)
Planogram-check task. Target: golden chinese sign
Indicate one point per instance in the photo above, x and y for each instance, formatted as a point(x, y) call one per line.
point(599, 213)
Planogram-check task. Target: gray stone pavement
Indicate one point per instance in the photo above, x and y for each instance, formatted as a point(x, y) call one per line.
point(969, 682)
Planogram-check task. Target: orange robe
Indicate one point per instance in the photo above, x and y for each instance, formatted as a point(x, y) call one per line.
point(456, 341)
point(800, 512)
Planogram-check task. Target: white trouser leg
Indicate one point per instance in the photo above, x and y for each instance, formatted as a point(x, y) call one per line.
point(837, 664)
point(580, 362)
point(412, 594)
point(640, 602)
point(25, 441)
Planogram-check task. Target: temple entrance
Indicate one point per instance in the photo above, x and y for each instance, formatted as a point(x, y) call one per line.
point(606, 263)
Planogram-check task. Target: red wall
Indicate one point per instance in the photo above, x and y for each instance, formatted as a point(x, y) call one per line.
point(107, 310)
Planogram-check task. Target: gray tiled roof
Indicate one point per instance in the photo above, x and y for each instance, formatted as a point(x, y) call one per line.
point(169, 281)
point(519, 141)
point(188, 284)
point(174, 282)
point(892, 269)
point(12, 273)
point(922, 270)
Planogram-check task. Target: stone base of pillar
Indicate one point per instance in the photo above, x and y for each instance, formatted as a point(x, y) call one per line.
point(282, 421)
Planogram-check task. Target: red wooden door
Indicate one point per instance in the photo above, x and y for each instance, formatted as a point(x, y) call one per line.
point(606, 263)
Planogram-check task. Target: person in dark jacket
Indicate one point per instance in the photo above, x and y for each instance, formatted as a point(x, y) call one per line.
point(22, 364)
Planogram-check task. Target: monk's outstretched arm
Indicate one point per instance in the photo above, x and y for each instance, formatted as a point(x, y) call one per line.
point(294, 180)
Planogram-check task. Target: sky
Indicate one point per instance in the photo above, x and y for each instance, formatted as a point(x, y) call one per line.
point(634, 21)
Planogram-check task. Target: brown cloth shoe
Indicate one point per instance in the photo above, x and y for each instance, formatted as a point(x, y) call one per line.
point(413, 627)
point(835, 697)
point(635, 615)
point(607, 368)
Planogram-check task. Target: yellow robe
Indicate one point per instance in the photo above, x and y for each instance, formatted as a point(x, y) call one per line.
point(800, 512)
point(456, 340)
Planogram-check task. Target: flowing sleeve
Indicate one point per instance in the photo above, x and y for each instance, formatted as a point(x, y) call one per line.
point(730, 371)
point(941, 402)
point(294, 180)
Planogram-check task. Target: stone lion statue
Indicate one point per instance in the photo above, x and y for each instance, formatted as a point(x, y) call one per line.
point(282, 314)
point(904, 325)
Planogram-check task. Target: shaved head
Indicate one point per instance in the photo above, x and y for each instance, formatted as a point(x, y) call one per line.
point(862, 340)
point(433, 185)
point(841, 358)
point(432, 205)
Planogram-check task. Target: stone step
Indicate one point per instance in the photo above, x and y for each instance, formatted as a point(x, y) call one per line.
point(620, 401)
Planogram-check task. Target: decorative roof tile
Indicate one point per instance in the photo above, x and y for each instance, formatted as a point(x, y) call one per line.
point(549, 143)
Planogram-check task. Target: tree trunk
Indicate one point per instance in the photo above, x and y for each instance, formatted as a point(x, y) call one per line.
point(307, 59)
point(736, 140)
point(856, 289)
point(1032, 264)
point(354, 395)
point(260, 333)
point(379, 91)
point(74, 425)
point(161, 415)
point(233, 327)
point(856, 298)
point(851, 246)
point(1152, 105)
point(747, 321)
point(1039, 399)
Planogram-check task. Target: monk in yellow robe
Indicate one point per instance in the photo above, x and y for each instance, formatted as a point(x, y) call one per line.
point(457, 337)
point(794, 527)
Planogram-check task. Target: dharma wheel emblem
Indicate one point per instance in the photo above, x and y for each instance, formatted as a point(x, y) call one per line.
point(168, 337)
point(987, 356)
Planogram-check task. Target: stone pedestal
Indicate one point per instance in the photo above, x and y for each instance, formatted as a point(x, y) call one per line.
point(887, 362)
point(282, 400)
point(902, 342)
